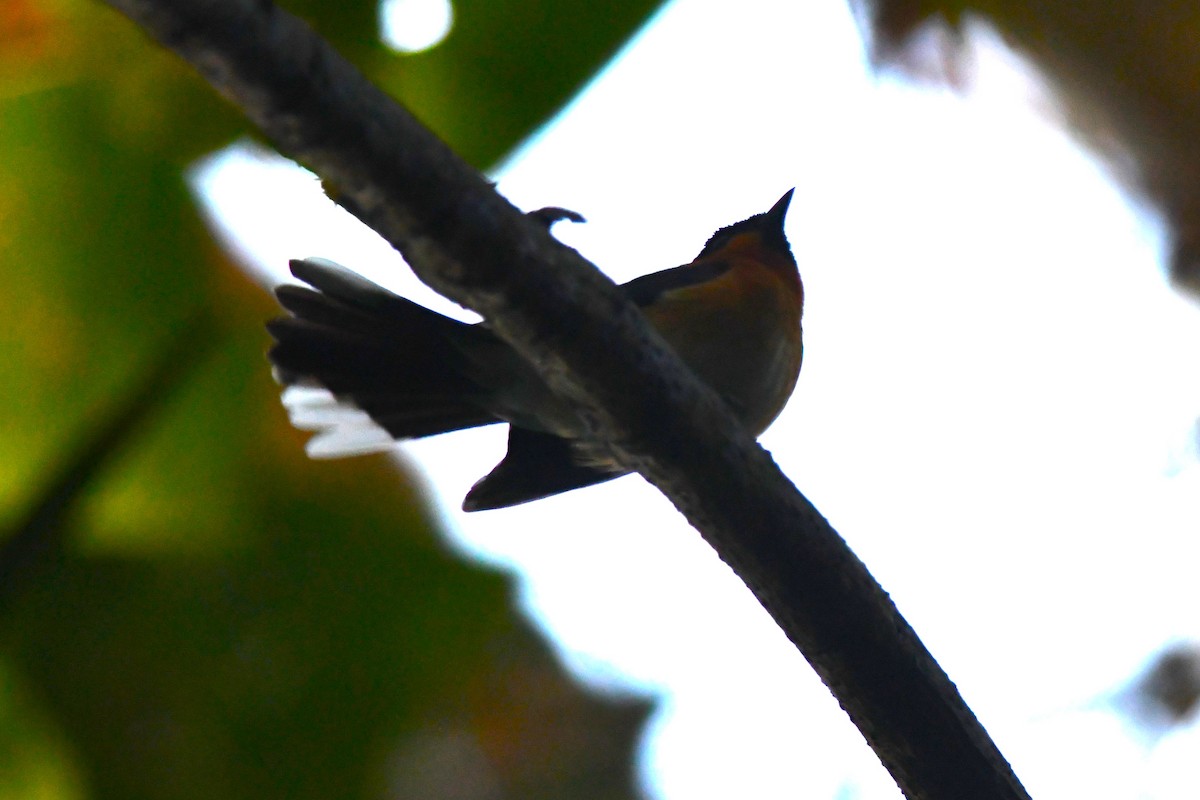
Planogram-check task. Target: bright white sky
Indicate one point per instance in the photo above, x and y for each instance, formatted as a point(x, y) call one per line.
point(996, 408)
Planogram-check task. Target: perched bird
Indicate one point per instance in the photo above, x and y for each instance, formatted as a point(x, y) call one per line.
point(366, 367)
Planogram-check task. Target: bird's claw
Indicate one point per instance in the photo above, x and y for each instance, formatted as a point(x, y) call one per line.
point(552, 214)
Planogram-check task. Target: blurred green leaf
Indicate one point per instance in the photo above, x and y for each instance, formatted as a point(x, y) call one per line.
point(507, 65)
point(231, 619)
point(504, 69)
point(103, 257)
point(307, 664)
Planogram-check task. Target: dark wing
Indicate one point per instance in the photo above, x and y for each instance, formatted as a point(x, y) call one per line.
point(537, 465)
point(645, 290)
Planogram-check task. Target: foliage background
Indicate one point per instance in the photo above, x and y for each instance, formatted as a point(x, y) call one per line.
point(994, 372)
point(190, 608)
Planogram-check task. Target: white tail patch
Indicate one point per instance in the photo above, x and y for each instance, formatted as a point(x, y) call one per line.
point(342, 428)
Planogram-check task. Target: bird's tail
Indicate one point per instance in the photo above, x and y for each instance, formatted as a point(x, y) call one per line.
point(366, 367)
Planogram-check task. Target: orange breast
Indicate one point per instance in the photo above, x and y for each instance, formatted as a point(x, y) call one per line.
point(740, 333)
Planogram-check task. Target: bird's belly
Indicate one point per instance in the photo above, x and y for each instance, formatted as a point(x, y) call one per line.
point(755, 376)
point(749, 354)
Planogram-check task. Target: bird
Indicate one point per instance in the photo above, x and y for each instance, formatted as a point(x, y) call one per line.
point(364, 367)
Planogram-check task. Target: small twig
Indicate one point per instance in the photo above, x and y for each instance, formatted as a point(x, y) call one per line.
point(39, 540)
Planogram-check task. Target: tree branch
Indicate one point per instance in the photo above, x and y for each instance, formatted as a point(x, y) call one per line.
point(39, 540)
point(591, 345)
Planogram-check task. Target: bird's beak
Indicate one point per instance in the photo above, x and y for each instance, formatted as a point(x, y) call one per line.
point(779, 210)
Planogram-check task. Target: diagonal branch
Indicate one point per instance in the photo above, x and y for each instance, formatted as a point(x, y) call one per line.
point(590, 344)
point(40, 539)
